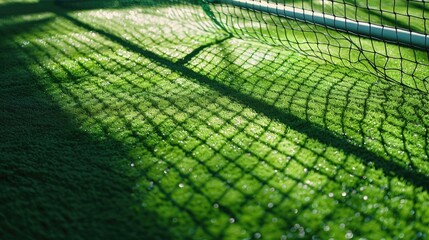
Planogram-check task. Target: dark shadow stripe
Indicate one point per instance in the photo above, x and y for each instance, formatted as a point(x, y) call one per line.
point(312, 130)
point(196, 51)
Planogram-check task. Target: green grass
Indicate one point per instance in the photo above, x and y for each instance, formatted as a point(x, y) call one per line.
point(150, 122)
point(394, 62)
point(409, 15)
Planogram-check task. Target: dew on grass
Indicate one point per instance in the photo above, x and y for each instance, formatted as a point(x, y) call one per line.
point(25, 43)
point(349, 235)
point(216, 205)
point(232, 220)
point(270, 205)
point(181, 185)
point(257, 235)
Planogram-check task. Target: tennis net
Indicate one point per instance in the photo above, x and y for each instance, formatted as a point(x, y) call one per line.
point(386, 38)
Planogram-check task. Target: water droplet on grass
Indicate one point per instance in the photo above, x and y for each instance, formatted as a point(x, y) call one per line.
point(25, 43)
point(349, 235)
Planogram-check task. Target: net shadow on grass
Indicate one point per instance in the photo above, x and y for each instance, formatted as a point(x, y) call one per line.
point(390, 61)
point(284, 116)
point(104, 4)
point(58, 181)
point(15, 9)
point(229, 142)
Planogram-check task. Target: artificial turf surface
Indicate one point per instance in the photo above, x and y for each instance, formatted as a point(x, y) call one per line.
point(149, 122)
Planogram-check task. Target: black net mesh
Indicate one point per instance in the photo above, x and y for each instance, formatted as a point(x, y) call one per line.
point(168, 127)
point(387, 38)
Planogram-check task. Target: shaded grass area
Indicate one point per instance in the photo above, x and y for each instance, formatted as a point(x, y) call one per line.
point(56, 179)
point(192, 134)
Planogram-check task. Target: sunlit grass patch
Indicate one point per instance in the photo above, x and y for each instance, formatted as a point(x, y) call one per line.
point(237, 140)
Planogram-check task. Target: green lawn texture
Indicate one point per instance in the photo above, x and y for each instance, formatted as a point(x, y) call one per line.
point(394, 62)
point(150, 122)
point(409, 15)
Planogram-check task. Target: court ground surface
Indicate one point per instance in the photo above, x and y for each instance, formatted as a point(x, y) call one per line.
point(147, 121)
